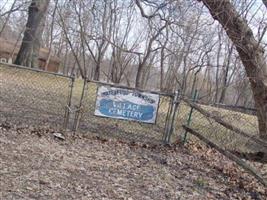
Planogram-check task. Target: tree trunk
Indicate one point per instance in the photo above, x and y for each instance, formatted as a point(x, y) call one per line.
point(29, 50)
point(97, 72)
point(217, 81)
point(250, 52)
point(139, 76)
point(226, 69)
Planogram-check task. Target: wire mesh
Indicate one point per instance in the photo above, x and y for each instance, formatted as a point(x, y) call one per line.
point(121, 129)
point(223, 136)
point(33, 97)
point(29, 96)
point(251, 152)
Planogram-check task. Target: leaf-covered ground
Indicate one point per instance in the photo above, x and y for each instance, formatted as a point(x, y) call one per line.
point(35, 165)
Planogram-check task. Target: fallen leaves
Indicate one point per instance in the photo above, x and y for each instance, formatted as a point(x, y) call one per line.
point(34, 166)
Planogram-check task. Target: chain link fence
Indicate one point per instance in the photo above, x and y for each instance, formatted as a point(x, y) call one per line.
point(230, 129)
point(235, 134)
point(117, 128)
point(32, 97)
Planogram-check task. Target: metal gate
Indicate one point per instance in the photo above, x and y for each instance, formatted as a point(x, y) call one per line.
point(84, 120)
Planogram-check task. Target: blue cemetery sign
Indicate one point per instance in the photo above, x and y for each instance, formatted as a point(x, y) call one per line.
point(126, 104)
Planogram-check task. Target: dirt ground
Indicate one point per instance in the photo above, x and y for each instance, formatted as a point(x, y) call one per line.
point(36, 165)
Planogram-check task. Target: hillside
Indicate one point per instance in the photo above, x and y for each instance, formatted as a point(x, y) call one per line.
point(35, 165)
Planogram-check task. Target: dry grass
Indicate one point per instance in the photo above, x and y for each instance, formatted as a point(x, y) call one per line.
point(33, 97)
point(218, 133)
point(39, 98)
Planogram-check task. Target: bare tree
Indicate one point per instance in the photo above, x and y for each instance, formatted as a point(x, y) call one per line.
point(51, 36)
point(72, 45)
point(29, 50)
point(97, 43)
point(250, 52)
point(12, 9)
point(265, 3)
point(154, 33)
point(121, 58)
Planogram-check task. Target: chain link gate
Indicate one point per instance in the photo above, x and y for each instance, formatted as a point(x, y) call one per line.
point(84, 120)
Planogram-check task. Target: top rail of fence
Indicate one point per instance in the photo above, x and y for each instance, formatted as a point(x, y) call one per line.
point(132, 88)
point(35, 70)
point(242, 109)
point(89, 80)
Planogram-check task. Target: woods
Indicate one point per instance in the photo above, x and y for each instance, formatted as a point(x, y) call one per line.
point(215, 46)
point(133, 99)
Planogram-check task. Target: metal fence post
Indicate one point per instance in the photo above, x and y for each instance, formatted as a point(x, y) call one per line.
point(189, 119)
point(170, 122)
point(68, 106)
point(166, 127)
point(78, 110)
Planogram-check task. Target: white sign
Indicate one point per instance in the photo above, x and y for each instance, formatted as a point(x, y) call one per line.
point(126, 104)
